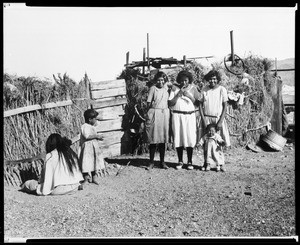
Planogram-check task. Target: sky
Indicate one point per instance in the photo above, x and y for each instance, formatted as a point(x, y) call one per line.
point(42, 41)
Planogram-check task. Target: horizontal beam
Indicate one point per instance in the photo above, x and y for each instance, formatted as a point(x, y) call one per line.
point(38, 107)
point(291, 69)
point(97, 104)
point(99, 94)
point(103, 85)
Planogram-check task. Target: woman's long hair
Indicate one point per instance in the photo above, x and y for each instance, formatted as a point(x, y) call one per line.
point(62, 145)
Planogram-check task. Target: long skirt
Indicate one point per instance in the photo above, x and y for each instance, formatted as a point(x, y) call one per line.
point(90, 156)
point(157, 126)
point(184, 129)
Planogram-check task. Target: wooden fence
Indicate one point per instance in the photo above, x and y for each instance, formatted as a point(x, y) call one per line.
point(108, 98)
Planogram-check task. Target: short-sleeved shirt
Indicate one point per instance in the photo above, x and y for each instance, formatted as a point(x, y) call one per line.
point(158, 97)
point(213, 99)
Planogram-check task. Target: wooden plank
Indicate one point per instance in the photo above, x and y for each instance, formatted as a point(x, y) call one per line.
point(110, 138)
point(103, 85)
point(112, 150)
point(109, 125)
point(22, 110)
point(37, 107)
point(110, 112)
point(97, 104)
point(291, 69)
point(99, 94)
point(37, 157)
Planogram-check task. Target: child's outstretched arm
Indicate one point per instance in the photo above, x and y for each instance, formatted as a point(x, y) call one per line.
point(90, 133)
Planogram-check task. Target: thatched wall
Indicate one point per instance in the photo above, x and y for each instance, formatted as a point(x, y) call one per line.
point(25, 134)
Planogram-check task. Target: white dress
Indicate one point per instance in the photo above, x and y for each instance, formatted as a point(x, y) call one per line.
point(184, 119)
point(90, 156)
point(212, 100)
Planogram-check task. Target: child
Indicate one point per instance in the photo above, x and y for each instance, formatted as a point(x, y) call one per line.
point(60, 173)
point(212, 144)
point(90, 157)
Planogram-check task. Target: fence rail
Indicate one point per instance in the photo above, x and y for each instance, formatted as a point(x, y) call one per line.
point(290, 69)
point(110, 111)
point(40, 107)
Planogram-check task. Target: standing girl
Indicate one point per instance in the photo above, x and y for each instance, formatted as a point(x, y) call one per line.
point(213, 105)
point(60, 173)
point(181, 102)
point(158, 116)
point(90, 157)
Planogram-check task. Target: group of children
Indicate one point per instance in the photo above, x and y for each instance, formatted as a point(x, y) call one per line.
point(195, 117)
point(65, 171)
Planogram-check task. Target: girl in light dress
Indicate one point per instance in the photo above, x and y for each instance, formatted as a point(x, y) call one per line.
point(181, 102)
point(90, 156)
point(158, 116)
point(213, 105)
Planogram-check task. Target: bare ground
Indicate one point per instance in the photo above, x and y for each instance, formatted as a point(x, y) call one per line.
point(254, 198)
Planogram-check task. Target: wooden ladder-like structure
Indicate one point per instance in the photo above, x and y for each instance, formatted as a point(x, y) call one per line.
point(108, 98)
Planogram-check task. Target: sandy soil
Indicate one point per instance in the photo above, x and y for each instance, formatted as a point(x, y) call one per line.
point(255, 197)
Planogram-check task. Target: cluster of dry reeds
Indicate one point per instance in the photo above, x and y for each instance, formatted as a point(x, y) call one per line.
point(25, 134)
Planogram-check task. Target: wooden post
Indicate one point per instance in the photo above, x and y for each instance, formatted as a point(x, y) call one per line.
point(279, 94)
point(232, 51)
point(88, 91)
point(276, 120)
point(148, 52)
point(184, 61)
point(127, 58)
point(275, 66)
point(144, 59)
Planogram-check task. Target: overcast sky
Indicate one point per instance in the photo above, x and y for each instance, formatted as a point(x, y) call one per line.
point(42, 41)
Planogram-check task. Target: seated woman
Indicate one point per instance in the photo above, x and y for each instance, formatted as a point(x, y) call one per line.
point(60, 173)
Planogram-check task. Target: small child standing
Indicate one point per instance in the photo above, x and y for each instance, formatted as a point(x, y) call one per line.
point(212, 144)
point(90, 157)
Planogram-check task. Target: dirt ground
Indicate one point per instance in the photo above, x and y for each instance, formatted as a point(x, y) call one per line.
point(254, 198)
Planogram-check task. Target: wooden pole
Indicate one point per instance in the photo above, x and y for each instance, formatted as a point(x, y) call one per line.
point(148, 52)
point(88, 91)
point(232, 51)
point(184, 61)
point(144, 59)
point(127, 58)
point(292, 69)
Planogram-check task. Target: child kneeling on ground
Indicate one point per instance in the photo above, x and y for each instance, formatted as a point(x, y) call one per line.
point(212, 144)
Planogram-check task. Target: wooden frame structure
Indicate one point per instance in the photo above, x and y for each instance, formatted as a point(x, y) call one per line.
point(108, 98)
